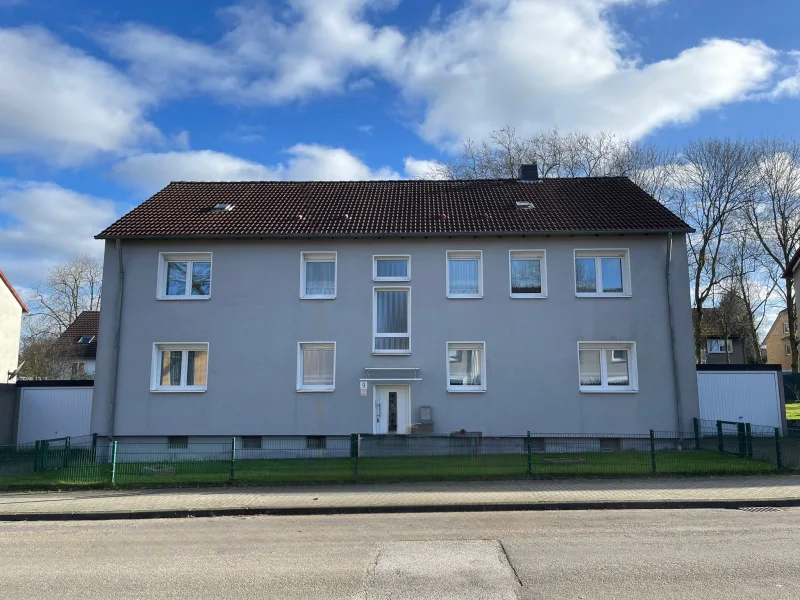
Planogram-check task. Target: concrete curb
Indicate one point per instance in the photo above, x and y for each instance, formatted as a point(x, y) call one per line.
point(388, 509)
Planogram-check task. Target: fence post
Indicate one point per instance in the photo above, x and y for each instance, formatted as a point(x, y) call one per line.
point(720, 441)
point(696, 433)
point(355, 447)
point(114, 462)
point(653, 450)
point(66, 452)
point(741, 437)
point(43, 448)
point(778, 455)
point(36, 451)
point(94, 447)
point(748, 433)
point(233, 456)
point(528, 448)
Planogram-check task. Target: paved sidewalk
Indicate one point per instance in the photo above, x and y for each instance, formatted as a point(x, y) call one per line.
point(690, 492)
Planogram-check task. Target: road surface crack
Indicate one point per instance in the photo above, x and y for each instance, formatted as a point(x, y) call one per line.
point(510, 564)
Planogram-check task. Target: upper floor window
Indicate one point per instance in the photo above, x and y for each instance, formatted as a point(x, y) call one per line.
point(390, 321)
point(717, 346)
point(464, 274)
point(607, 367)
point(527, 273)
point(602, 273)
point(391, 268)
point(179, 368)
point(785, 328)
point(184, 276)
point(316, 367)
point(788, 349)
point(318, 275)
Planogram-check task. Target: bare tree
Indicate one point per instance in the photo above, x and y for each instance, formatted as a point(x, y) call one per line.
point(711, 184)
point(68, 290)
point(43, 357)
point(773, 212)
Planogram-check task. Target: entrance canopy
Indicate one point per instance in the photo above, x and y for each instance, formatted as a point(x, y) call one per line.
point(391, 374)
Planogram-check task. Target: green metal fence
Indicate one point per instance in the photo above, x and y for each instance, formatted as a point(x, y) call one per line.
point(711, 448)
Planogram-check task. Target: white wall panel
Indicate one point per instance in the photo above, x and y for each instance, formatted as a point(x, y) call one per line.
point(746, 397)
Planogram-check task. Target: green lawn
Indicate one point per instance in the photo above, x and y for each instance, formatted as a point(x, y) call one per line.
point(793, 411)
point(386, 469)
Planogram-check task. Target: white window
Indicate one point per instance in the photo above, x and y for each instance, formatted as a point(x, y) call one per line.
point(391, 268)
point(602, 273)
point(390, 320)
point(464, 274)
point(184, 276)
point(318, 275)
point(527, 273)
point(607, 367)
point(179, 368)
point(316, 366)
point(466, 367)
point(788, 349)
point(785, 328)
point(717, 346)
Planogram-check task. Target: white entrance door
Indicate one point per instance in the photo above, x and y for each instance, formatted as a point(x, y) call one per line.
point(391, 410)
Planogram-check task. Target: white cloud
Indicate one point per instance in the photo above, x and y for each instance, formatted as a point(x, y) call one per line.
point(528, 63)
point(60, 104)
point(307, 162)
point(43, 224)
point(422, 169)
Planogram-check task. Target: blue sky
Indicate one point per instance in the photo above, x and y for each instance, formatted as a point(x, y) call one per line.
point(102, 103)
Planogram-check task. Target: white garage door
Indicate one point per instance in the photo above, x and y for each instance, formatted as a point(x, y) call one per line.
point(746, 397)
point(47, 413)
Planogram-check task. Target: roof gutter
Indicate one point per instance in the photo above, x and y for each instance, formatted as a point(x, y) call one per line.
point(327, 236)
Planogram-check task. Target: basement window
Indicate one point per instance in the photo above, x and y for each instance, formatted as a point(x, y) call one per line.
point(316, 442)
point(251, 442)
point(178, 441)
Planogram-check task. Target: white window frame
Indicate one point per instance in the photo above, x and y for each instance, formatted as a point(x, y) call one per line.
point(456, 254)
point(541, 255)
point(466, 346)
point(785, 328)
point(318, 256)
point(604, 388)
point(377, 257)
point(320, 346)
point(187, 257)
point(387, 288)
point(787, 348)
point(185, 347)
point(728, 343)
point(598, 254)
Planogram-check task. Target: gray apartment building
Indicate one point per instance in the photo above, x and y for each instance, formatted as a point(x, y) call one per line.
point(329, 308)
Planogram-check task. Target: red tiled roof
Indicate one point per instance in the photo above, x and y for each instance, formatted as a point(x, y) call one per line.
point(369, 208)
point(14, 293)
point(86, 323)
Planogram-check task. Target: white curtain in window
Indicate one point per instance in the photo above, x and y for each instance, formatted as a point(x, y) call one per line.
point(317, 366)
point(463, 276)
point(391, 308)
point(320, 278)
point(612, 274)
point(590, 372)
point(391, 268)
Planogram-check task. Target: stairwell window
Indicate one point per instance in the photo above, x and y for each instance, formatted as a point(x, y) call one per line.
point(316, 367)
point(318, 275)
point(466, 367)
point(602, 273)
point(607, 367)
point(184, 276)
point(527, 273)
point(390, 320)
point(179, 368)
point(391, 268)
point(464, 274)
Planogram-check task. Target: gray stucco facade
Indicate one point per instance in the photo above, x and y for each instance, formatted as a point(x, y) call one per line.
point(254, 320)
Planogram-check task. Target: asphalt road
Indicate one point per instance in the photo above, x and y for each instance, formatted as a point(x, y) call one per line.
point(706, 554)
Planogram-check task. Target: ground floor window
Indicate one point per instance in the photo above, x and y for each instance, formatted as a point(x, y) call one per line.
point(316, 366)
point(607, 367)
point(179, 368)
point(466, 366)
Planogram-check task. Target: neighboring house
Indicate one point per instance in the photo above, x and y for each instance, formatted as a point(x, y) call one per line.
point(329, 308)
point(79, 345)
point(723, 345)
point(776, 342)
point(11, 309)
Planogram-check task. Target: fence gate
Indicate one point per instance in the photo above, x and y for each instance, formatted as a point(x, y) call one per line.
point(54, 412)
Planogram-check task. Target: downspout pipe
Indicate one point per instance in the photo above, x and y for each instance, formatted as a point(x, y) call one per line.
point(118, 328)
point(675, 375)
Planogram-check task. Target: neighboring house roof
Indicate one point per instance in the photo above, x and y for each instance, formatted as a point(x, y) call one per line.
point(87, 324)
point(789, 272)
point(407, 207)
point(14, 293)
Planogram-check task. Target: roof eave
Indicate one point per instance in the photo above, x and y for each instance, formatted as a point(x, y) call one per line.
point(104, 236)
